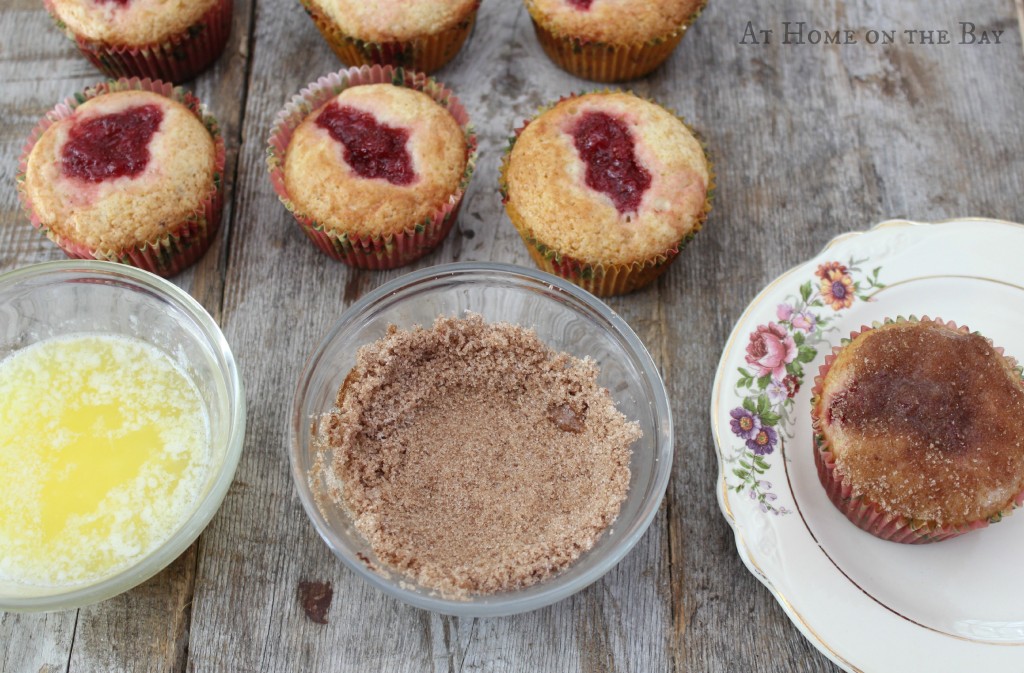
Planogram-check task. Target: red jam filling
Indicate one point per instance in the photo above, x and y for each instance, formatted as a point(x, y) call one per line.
point(606, 147)
point(581, 4)
point(122, 3)
point(111, 146)
point(372, 149)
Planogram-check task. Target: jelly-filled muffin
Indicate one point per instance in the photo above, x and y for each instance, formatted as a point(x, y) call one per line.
point(129, 175)
point(917, 432)
point(374, 174)
point(421, 36)
point(605, 189)
point(169, 41)
point(611, 40)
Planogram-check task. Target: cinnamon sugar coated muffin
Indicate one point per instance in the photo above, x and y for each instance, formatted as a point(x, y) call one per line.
point(473, 458)
point(611, 40)
point(917, 430)
point(605, 188)
point(375, 174)
point(168, 40)
point(422, 35)
point(128, 175)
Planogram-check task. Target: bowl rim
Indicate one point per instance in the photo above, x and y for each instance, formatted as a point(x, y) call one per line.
point(204, 509)
point(505, 604)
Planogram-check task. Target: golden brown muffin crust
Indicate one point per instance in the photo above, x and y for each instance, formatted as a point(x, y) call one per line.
point(324, 187)
point(546, 183)
point(620, 22)
point(396, 20)
point(139, 22)
point(927, 421)
point(124, 212)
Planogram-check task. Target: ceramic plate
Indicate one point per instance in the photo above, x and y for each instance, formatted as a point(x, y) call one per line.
point(869, 605)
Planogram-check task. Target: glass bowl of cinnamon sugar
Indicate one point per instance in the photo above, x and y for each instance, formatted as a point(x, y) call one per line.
point(480, 439)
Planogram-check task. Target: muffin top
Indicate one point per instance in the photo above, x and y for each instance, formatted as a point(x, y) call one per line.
point(125, 168)
point(396, 20)
point(130, 22)
point(375, 160)
point(608, 178)
point(614, 21)
point(924, 420)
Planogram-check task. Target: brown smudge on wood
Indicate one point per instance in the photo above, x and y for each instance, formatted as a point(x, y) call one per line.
point(315, 598)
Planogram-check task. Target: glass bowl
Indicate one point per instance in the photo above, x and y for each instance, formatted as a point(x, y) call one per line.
point(565, 318)
point(67, 297)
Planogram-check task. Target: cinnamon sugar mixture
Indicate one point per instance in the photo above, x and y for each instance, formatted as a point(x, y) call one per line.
point(935, 415)
point(474, 458)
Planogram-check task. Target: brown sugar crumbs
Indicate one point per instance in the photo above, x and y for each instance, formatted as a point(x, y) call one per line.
point(474, 458)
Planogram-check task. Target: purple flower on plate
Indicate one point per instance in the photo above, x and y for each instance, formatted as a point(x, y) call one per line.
point(784, 311)
point(763, 442)
point(777, 392)
point(744, 423)
point(805, 321)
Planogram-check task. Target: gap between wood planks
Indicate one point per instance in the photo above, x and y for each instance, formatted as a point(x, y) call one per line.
point(1020, 20)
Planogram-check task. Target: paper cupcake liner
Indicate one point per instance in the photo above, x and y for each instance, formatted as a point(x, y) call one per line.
point(184, 243)
point(862, 511)
point(176, 59)
point(600, 279)
point(377, 251)
point(604, 62)
point(422, 54)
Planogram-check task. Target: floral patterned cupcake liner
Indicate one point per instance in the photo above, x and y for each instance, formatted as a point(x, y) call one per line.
point(177, 59)
point(600, 279)
point(862, 511)
point(183, 243)
point(604, 62)
point(377, 251)
point(422, 54)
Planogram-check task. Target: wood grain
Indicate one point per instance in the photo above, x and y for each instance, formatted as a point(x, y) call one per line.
point(809, 141)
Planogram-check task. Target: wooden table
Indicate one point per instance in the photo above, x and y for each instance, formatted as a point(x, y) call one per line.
point(809, 141)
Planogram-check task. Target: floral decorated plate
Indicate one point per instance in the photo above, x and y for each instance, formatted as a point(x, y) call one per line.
point(868, 604)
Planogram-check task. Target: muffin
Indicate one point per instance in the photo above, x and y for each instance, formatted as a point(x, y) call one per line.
point(420, 36)
point(611, 40)
point(373, 163)
point(605, 188)
point(916, 430)
point(128, 171)
point(169, 41)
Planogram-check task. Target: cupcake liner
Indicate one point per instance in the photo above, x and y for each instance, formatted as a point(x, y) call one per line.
point(184, 243)
point(422, 54)
point(177, 59)
point(604, 62)
point(862, 511)
point(600, 279)
point(369, 252)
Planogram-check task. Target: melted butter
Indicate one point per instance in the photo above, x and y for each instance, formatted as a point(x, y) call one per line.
point(103, 450)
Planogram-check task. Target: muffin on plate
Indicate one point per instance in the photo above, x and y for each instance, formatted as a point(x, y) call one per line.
point(916, 430)
point(605, 189)
point(373, 163)
point(128, 171)
point(169, 41)
point(421, 36)
point(611, 40)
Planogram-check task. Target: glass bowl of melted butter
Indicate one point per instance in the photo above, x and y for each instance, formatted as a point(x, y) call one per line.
point(121, 426)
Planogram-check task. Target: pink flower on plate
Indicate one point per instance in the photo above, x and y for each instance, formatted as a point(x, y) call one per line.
point(805, 321)
point(770, 349)
point(784, 311)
